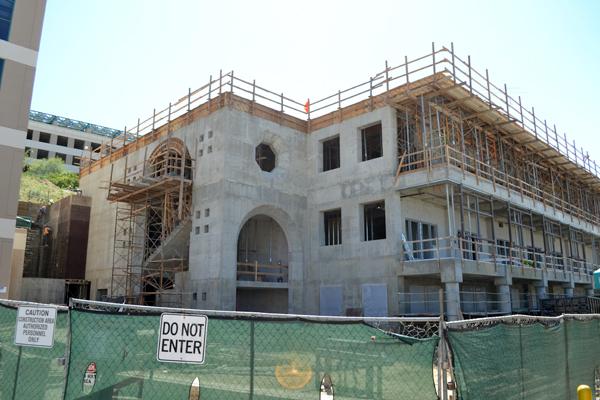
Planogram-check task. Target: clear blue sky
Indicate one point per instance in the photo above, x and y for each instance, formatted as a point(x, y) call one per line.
point(112, 61)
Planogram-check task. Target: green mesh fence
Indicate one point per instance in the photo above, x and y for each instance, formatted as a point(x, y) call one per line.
point(526, 359)
point(29, 372)
point(256, 359)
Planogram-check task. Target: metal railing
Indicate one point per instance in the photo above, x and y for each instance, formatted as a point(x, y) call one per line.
point(445, 156)
point(486, 251)
point(256, 272)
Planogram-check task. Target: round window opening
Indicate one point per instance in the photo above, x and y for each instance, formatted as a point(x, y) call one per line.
point(265, 157)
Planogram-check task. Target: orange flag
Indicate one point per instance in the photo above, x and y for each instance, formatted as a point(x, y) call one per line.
point(307, 106)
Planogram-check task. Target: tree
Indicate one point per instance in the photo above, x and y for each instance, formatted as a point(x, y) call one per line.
point(54, 170)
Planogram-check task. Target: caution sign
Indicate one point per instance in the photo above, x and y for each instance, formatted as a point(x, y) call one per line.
point(182, 338)
point(35, 326)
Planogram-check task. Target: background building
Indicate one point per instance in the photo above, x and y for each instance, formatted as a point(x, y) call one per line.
point(51, 136)
point(20, 30)
point(367, 202)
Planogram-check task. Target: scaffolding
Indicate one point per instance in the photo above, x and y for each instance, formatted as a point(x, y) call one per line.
point(153, 209)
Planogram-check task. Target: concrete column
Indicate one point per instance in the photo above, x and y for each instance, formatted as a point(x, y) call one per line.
point(452, 294)
point(541, 291)
point(504, 301)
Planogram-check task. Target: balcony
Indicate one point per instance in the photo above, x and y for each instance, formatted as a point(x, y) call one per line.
point(483, 251)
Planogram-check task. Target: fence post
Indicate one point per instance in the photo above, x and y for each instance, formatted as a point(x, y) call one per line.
point(251, 359)
point(16, 380)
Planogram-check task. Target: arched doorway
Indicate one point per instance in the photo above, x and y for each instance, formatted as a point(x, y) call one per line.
point(262, 266)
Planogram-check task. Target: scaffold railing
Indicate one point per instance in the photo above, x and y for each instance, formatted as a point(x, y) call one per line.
point(439, 61)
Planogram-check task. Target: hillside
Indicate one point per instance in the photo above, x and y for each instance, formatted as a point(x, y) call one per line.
point(39, 190)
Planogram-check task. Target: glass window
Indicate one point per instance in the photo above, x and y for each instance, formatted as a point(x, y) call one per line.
point(6, 11)
point(423, 238)
point(1, 68)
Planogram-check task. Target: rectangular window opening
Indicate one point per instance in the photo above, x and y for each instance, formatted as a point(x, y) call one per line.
point(374, 221)
point(371, 140)
point(331, 154)
point(29, 134)
point(79, 144)
point(44, 137)
point(62, 141)
point(42, 154)
point(333, 227)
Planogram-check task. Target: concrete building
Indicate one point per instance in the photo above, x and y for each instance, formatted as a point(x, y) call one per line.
point(51, 136)
point(20, 30)
point(367, 202)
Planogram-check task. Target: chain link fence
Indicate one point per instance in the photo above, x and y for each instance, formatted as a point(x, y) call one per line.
point(30, 372)
point(112, 354)
point(110, 351)
point(523, 357)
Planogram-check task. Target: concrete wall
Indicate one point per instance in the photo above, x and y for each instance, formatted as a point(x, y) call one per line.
point(355, 262)
point(355, 277)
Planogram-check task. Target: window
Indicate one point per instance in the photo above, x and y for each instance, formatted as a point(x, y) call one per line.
point(62, 141)
point(205, 228)
point(61, 156)
point(422, 237)
point(372, 146)
point(265, 158)
point(41, 154)
point(332, 220)
point(210, 134)
point(200, 152)
point(95, 146)
point(331, 154)
point(79, 144)
point(197, 230)
point(6, 11)
point(29, 134)
point(209, 150)
point(76, 161)
point(44, 137)
point(201, 138)
point(198, 214)
point(374, 221)
point(207, 212)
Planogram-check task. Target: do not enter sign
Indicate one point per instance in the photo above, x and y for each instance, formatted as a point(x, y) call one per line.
point(182, 338)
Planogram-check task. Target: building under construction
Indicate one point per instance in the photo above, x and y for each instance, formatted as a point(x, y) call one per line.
point(427, 175)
